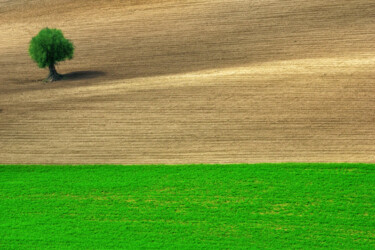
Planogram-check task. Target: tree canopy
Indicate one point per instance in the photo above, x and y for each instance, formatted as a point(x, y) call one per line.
point(49, 47)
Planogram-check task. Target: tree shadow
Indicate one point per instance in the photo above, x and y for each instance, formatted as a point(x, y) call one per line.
point(81, 75)
point(1, 110)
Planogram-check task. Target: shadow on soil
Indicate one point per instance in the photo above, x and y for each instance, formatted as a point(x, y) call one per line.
point(81, 75)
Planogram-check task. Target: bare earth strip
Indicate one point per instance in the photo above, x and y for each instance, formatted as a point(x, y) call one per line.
point(219, 81)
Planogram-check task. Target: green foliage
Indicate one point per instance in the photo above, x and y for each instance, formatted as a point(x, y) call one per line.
point(49, 47)
point(275, 206)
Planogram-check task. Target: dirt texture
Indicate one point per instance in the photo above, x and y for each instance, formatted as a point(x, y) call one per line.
point(208, 81)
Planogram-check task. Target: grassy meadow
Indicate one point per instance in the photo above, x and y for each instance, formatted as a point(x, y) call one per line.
point(188, 206)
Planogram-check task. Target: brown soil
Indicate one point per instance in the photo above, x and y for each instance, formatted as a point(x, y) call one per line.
point(208, 81)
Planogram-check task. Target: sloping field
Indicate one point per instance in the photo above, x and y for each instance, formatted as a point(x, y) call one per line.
point(217, 81)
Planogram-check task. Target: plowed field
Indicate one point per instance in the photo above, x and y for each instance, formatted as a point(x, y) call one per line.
point(213, 81)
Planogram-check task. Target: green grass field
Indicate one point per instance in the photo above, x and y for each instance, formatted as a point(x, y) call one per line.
point(191, 206)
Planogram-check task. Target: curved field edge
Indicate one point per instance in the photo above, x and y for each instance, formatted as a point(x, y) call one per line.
point(295, 205)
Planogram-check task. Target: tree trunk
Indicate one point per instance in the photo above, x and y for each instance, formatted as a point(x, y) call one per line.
point(53, 75)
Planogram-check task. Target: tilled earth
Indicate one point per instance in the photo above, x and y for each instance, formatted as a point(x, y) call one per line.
point(209, 81)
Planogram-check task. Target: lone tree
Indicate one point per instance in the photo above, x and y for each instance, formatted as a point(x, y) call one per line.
point(49, 47)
